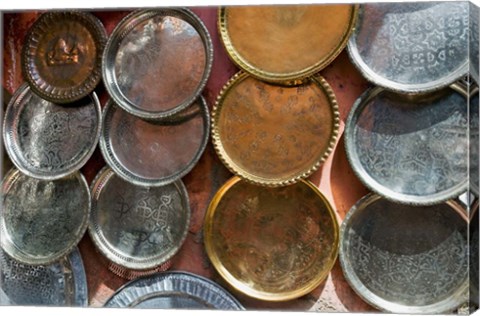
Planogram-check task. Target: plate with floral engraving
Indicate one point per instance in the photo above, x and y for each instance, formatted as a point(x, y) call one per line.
point(273, 244)
point(274, 135)
point(411, 47)
point(62, 55)
point(62, 283)
point(42, 220)
point(406, 259)
point(138, 227)
point(157, 61)
point(47, 140)
point(410, 148)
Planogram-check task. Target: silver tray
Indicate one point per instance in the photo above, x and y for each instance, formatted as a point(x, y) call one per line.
point(410, 149)
point(151, 153)
point(474, 140)
point(42, 221)
point(411, 47)
point(62, 283)
point(157, 61)
point(406, 259)
point(137, 227)
point(46, 140)
point(174, 290)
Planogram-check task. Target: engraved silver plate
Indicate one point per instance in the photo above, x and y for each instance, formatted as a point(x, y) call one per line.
point(174, 290)
point(62, 283)
point(49, 141)
point(138, 227)
point(157, 62)
point(406, 259)
point(412, 47)
point(410, 149)
point(151, 153)
point(42, 221)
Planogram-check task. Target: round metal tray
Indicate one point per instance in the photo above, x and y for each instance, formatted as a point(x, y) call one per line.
point(49, 141)
point(411, 47)
point(273, 244)
point(406, 259)
point(157, 62)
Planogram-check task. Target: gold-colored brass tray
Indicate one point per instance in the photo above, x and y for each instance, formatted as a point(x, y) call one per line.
point(285, 44)
point(274, 135)
point(272, 244)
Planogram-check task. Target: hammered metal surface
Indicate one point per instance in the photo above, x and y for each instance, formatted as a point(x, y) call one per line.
point(46, 140)
point(474, 39)
point(42, 221)
point(138, 228)
point(412, 47)
point(274, 135)
point(273, 244)
point(157, 62)
point(423, 160)
point(406, 259)
point(62, 283)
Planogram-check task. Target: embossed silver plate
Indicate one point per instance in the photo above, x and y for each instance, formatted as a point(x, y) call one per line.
point(412, 47)
point(157, 61)
point(410, 149)
point(62, 283)
point(154, 153)
point(138, 227)
point(46, 140)
point(406, 259)
point(41, 220)
point(174, 290)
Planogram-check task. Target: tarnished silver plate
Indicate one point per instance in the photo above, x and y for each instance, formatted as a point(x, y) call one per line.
point(174, 290)
point(138, 227)
point(62, 283)
point(42, 221)
point(406, 259)
point(410, 149)
point(157, 62)
point(151, 153)
point(474, 140)
point(49, 141)
point(412, 47)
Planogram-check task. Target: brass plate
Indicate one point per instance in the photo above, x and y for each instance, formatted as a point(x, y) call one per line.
point(285, 43)
point(274, 135)
point(273, 244)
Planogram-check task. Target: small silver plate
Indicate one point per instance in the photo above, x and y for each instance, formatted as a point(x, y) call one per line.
point(42, 220)
point(156, 153)
point(406, 259)
point(46, 140)
point(62, 283)
point(174, 290)
point(412, 47)
point(157, 62)
point(138, 227)
point(410, 149)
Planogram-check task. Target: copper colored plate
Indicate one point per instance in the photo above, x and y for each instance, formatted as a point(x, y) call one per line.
point(273, 244)
point(285, 43)
point(62, 55)
point(274, 135)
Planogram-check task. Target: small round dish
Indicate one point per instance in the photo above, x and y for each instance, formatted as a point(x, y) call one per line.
point(411, 47)
point(173, 290)
point(154, 153)
point(274, 135)
point(49, 141)
point(157, 62)
point(62, 55)
point(285, 44)
point(42, 221)
point(137, 227)
point(411, 149)
point(273, 244)
point(63, 283)
point(406, 259)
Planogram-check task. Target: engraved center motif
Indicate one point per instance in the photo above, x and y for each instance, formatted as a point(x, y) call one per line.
point(64, 52)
